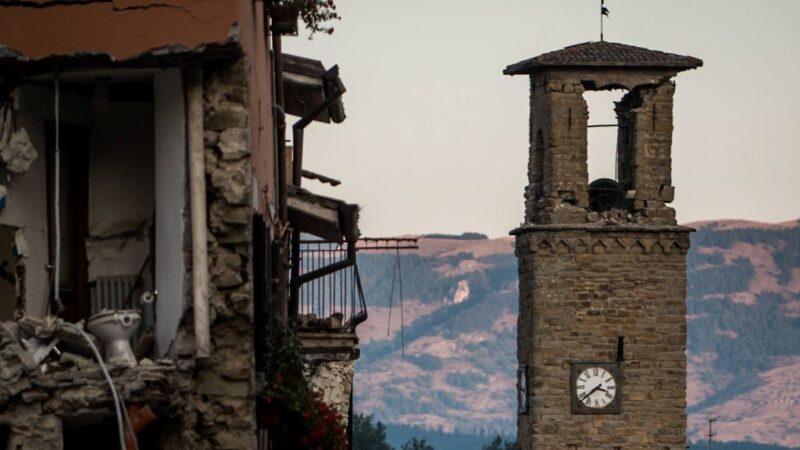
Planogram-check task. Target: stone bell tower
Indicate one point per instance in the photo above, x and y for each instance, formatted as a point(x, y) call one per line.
point(602, 265)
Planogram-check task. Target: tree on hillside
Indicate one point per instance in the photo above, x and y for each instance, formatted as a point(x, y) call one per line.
point(369, 436)
point(414, 444)
point(499, 444)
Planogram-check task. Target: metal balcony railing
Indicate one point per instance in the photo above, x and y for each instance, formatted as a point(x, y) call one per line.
point(334, 300)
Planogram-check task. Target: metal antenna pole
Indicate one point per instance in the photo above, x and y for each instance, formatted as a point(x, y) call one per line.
point(711, 433)
point(602, 7)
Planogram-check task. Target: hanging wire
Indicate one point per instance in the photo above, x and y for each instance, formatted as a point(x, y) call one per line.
point(402, 320)
point(397, 274)
point(391, 297)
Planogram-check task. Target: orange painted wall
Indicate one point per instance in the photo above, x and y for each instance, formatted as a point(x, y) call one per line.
point(255, 43)
point(120, 28)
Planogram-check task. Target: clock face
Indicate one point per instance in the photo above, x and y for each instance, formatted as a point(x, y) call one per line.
point(595, 387)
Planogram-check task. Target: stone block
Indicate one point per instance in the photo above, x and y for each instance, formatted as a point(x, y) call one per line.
point(227, 116)
point(667, 193)
point(234, 143)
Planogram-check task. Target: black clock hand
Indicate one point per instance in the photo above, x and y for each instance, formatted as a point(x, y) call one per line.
point(591, 392)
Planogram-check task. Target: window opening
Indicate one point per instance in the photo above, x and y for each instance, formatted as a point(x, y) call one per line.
point(602, 133)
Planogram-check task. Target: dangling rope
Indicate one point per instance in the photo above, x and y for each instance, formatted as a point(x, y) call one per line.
point(397, 274)
point(402, 320)
point(391, 298)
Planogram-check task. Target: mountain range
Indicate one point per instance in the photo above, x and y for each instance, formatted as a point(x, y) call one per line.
point(451, 366)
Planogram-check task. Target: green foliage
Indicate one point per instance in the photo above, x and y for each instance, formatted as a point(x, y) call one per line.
point(368, 436)
point(737, 446)
point(286, 380)
point(309, 423)
point(721, 279)
point(396, 435)
point(499, 444)
point(415, 444)
point(466, 380)
point(315, 14)
point(425, 361)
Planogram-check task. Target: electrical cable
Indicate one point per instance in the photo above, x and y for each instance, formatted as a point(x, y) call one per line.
point(391, 299)
point(119, 403)
point(402, 320)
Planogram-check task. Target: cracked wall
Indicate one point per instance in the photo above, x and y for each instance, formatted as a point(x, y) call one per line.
point(558, 184)
point(129, 28)
point(219, 409)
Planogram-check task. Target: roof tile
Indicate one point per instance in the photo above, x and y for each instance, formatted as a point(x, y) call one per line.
point(604, 54)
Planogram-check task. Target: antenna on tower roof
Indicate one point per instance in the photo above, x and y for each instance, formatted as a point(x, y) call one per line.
point(604, 12)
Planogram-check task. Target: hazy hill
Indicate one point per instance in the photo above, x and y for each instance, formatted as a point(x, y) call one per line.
point(460, 308)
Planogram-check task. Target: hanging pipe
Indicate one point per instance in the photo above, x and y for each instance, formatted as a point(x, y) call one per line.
point(197, 188)
point(119, 403)
point(57, 198)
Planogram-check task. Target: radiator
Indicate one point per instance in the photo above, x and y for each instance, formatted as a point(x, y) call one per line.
point(112, 292)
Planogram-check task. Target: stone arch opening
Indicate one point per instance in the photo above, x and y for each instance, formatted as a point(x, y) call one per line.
point(603, 133)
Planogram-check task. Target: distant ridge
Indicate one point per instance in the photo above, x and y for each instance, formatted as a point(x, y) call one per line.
point(459, 369)
point(468, 236)
point(732, 224)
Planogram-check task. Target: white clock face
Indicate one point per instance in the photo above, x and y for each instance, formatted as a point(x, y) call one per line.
point(596, 387)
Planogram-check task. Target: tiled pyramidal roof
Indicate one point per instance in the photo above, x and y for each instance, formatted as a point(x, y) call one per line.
point(604, 54)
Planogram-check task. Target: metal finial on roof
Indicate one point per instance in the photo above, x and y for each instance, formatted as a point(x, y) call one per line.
point(604, 12)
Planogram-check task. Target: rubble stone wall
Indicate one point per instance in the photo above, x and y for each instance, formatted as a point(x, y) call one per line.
point(219, 411)
point(645, 160)
point(335, 381)
point(203, 403)
point(582, 288)
point(559, 112)
point(557, 190)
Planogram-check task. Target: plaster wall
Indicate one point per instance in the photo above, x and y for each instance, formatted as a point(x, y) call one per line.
point(121, 189)
point(27, 202)
point(121, 29)
point(27, 209)
point(170, 187)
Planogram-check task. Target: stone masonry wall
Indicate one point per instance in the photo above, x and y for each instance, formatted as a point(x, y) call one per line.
point(219, 411)
point(559, 111)
point(581, 288)
point(205, 403)
point(650, 172)
point(557, 190)
point(335, 381)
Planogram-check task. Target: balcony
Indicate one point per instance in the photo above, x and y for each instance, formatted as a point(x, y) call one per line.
point(328, 300)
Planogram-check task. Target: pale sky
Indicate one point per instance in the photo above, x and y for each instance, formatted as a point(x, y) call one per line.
point(436, 137)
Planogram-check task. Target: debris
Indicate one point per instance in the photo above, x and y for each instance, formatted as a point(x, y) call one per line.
point(16, 149)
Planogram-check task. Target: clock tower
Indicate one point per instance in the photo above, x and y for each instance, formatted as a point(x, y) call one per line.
point(602, 264)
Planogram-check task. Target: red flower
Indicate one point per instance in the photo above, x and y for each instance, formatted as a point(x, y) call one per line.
point(318, 434)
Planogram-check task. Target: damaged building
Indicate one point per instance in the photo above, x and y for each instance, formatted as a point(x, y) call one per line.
point(154, 225)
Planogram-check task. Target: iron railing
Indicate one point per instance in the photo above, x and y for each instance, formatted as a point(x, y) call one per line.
point(334, 300)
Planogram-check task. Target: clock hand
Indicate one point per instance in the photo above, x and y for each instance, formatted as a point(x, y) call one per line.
point(591, 392)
